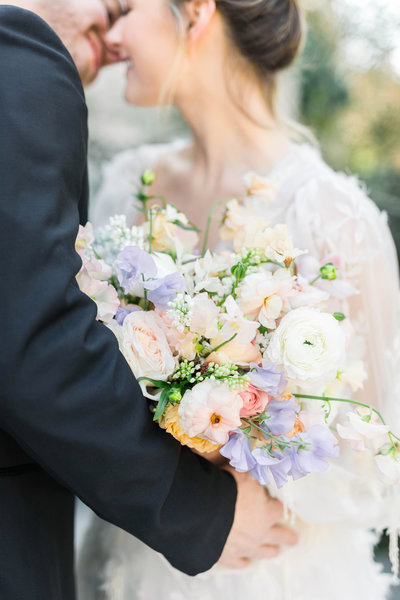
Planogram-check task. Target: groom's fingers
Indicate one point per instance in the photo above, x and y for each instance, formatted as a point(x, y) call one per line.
point(280, 535)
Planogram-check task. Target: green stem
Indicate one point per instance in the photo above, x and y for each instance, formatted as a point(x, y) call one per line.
point(221, 345)
point(145, 295)
point(275, 262)
point(347, 400)
point(315, 280)
point(151, 230)
point(391, 436)
point(279, 441)
point(209, 220)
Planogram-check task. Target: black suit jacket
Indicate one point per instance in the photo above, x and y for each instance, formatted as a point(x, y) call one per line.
point(72, 417)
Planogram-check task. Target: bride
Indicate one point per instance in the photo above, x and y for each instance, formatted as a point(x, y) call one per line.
point(217, 62)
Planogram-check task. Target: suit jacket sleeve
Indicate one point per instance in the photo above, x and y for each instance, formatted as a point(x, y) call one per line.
point(66, 393)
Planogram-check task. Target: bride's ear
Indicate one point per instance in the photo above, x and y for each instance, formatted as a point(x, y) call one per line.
point(199, 14)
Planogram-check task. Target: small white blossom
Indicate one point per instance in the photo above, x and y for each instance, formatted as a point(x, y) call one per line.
point(180, 312)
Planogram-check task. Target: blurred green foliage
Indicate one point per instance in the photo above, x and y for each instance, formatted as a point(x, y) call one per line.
point(354, 113)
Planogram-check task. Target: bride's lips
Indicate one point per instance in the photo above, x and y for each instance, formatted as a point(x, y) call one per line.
point(97, 48)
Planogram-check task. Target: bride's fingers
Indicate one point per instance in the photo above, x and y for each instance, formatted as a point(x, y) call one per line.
point(281, 536)
point(235, 563)
point(266, 551)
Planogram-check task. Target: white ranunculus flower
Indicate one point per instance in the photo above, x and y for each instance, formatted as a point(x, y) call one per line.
point(145, 346)
point(309, 344)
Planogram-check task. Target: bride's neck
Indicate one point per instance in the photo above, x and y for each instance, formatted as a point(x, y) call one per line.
point(228, 137)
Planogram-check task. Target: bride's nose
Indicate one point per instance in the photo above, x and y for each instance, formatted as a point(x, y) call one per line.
point(113, 43)
point(113, 37)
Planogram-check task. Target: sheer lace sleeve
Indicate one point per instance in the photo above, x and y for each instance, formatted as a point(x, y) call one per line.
point(333, 215)
point(121, 181)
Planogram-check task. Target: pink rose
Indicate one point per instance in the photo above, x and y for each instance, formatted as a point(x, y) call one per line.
point(254, 401)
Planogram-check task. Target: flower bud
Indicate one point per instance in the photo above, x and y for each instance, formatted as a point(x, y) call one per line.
point(328, 271)
point(175, 396)
point(148, 177)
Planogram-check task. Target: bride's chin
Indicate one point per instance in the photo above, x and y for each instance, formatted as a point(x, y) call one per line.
point(139, 100)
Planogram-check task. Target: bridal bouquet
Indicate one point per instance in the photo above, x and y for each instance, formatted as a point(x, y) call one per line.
point(240, 350)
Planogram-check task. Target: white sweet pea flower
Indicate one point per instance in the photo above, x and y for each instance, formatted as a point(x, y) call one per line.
point(305, 294)
point(164, 263)
point(389, 467)
point(362, 433)
point(310, 345)
point(234, 322)
point(278, 244)
point(205, 272)
point(353, 374)
point(204, 316)
point(260, 187)
point(264, 296)
point(101, 292)
point(85, 237)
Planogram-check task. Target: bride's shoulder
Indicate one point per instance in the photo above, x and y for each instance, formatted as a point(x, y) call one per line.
point(332, 207)
point(131, 163)
point(314, 181)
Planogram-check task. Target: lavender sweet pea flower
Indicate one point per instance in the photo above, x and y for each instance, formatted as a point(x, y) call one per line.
point(278, 466)
point(267, 378)
point(281, 416)
point(131, 264)
point(238, 451)
point(321, 445)
point(162, 291)
point(122, 313)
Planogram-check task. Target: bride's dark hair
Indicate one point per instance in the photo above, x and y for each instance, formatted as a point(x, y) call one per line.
point(267, 33)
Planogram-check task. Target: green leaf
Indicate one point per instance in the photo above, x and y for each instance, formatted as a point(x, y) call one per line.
point(162, 404)
point(142, 197)
point(246, 431)
point(186, 227)
point(339, 316)
point(154, 382)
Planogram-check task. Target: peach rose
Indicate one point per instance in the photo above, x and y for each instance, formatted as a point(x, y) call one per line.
point(234, 351)
point(145, 346)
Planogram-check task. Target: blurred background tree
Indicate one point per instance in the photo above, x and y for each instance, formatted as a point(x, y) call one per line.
point(349, 77)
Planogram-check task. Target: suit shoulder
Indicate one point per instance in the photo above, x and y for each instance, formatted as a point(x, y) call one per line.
point(26, 40)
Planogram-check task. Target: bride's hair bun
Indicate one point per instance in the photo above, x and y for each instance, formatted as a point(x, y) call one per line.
point(268, 33)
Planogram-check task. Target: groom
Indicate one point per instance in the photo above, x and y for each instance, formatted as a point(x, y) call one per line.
point(72, 417)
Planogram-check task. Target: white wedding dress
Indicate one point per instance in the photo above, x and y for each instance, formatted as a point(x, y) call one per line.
point(326, 213)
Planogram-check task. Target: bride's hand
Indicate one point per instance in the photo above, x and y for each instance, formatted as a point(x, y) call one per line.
point(257, 531)
point(214, 457)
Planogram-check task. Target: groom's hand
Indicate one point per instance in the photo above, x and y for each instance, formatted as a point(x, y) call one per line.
point(256, 532)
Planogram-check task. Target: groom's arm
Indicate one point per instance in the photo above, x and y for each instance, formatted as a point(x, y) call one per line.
point(66, 393)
